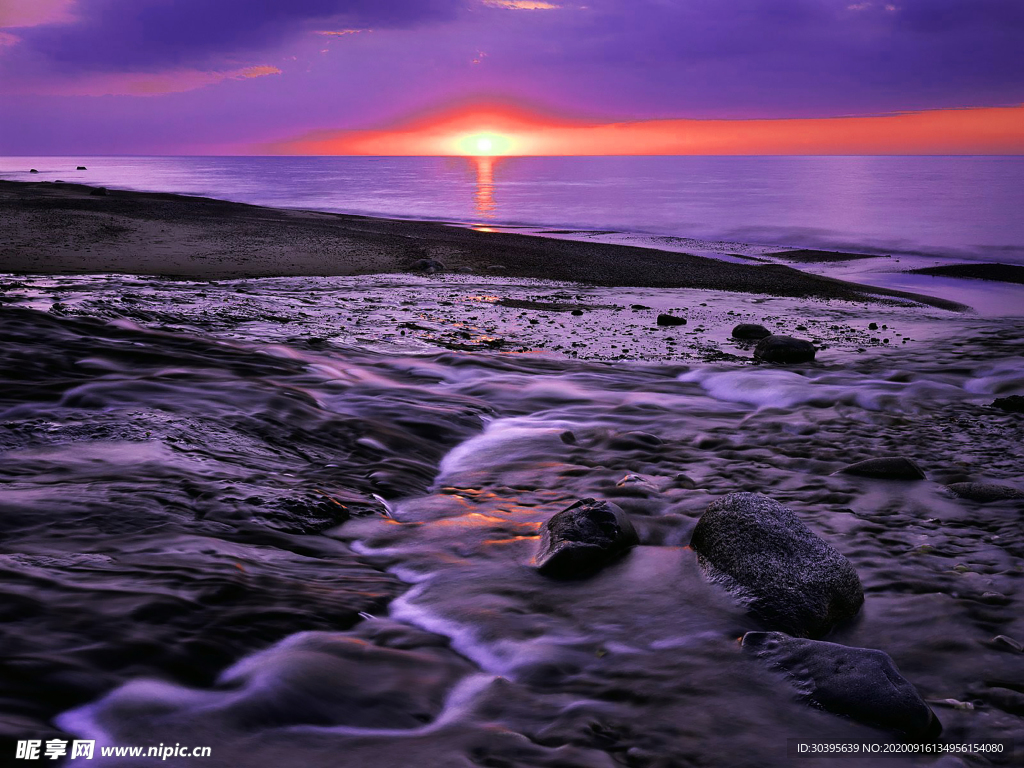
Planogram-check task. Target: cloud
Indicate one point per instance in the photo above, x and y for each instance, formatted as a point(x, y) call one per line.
point(341, 32)
point(967, 131)
point(143, 35)
point(522, 5)
point(33, 13)
point(142, 83)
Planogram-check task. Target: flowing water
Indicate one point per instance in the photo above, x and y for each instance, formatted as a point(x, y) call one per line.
point(939, 207)
point(294, 519)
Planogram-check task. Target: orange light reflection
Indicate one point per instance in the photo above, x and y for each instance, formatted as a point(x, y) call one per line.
point(484, 197)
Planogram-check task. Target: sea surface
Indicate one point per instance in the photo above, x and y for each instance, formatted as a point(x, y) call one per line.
point(942, 207)
point(295, 519)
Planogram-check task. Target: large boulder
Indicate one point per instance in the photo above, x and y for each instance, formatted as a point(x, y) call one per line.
point(580, 539)
point(985, 492)
point(790, 579)
point(885, 468)
point(750, 331)
point(784, 349)
point(858, 683)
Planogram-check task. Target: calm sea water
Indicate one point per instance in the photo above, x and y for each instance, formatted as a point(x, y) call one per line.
point(967, 207)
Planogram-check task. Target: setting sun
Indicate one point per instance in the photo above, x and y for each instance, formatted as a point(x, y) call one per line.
point(484, 144)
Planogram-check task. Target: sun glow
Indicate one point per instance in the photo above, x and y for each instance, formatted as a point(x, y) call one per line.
point(484, 144)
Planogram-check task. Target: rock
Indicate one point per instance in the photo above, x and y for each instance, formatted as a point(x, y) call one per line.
point(638, 306)
point(576, 312)
point(81, 168)
point(1013, 403)
point(784, 349)
point(634, 441)
point(568, 437)
point(872, 326)
point(33, 170)
point(984, 492)
point(858, 683)
point(582, 538)
point(789, 578)
point(665, 319)
point(885, 468)
point(751, 331)
point(430, 266)
point(98, 191)
point(1008, 642)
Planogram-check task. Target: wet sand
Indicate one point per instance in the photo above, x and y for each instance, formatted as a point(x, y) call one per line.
point(66, 229)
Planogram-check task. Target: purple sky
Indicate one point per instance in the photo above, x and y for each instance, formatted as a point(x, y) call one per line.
point(179, 76)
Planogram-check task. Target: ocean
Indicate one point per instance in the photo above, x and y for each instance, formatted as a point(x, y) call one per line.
point(944, 207)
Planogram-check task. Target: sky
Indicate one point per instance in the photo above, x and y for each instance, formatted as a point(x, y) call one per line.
point(511, 76)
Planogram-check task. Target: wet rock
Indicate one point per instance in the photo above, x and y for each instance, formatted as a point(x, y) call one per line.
point(1013, 403)
point(667, 320)
point(784, 349)
point(582, 538)
point(885, 468)
point(33, 170)
point(98, 191)
point(684, 481)
point(858, 683)
point(81, 168)
point(789, 578)
point(984, 492)
point(635, 485)
point(430, 266)
point(1005, 641)
point(568, 437)
point(750, 331)
point(634, 441)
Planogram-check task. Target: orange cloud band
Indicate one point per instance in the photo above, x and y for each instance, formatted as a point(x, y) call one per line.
point(995, 130)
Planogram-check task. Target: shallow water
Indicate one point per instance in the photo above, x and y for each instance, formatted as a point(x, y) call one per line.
point(256, 516)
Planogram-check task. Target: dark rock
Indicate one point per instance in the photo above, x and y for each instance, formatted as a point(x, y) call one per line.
point(582, 538)
point(872, 326)
point(634, 441)
point(885, 468)
point(430, 266)
point(577, 312)
point(664, 319)
point(858, 683)
point(1013, 403)
point(33, 170)
point(784, 349)
point(638, 306)
point(985, 492)
point(568, 437)
point(789, 578)
point(750, 331)
point(81, 168)
point(98, 191)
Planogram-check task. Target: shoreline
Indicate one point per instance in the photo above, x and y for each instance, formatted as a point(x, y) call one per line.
point(67, 229)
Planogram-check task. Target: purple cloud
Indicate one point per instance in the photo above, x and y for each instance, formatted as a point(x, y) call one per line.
point(156, 34)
